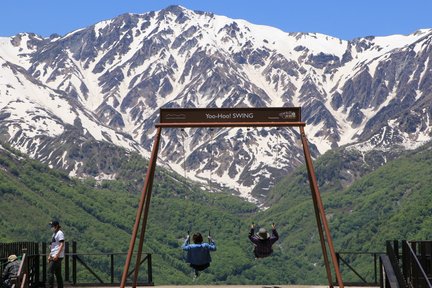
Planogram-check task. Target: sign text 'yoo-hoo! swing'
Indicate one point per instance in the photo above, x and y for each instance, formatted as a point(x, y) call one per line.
point(209, 115)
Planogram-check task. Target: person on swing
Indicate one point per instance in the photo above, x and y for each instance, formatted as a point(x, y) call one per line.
point(198, 254)
point(262, 241)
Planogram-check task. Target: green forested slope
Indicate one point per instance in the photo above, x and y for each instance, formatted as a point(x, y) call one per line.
point(391, 202)
point(100, 216)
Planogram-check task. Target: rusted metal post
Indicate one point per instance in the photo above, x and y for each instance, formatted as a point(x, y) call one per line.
point(318, 218)
point(151, 172)
point(317, 215)
point(140, 244)
point(318, 205)
point(140, 208)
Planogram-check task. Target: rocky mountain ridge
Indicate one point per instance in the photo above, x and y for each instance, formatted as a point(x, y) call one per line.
point(104, 85)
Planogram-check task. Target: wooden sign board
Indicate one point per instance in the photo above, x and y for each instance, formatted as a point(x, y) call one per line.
point(230, 115)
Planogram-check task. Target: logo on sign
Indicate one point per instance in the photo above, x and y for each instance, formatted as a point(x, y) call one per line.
point(287, 115)
point(175, 116)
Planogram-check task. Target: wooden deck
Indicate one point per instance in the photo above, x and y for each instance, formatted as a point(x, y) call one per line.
point(247, 286)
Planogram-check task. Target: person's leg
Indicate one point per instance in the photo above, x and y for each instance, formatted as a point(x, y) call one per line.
point(196, 272)
point(50, 274)
point(58, 273)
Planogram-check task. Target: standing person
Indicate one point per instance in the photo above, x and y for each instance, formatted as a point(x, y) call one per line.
point(262, 241)
point(10, 271)
point(198, 254)
point(56, 255)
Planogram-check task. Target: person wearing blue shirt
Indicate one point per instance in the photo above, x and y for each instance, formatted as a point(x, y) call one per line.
point(198, 254)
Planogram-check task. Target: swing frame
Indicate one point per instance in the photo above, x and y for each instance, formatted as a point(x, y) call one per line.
point(225, 118)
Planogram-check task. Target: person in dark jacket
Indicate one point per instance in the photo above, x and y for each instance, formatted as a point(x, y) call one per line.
point(198, 254)
point(10, 271)
point(262, 241)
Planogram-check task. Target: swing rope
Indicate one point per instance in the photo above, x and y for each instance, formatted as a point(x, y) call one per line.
point(183, 132)
point(211, 159)
point(277, 147)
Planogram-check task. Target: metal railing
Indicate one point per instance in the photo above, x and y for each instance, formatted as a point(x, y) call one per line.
point(417, 260)
point(81, 269)
point(388, 277)
point(348, 265)
point(20, 249)
point(101, 277)
point(392, 250)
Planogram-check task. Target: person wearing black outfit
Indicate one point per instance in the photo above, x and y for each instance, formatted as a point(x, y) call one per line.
point(56, 255)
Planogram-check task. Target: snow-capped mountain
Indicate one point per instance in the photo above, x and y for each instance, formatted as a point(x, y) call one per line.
point(106, 83)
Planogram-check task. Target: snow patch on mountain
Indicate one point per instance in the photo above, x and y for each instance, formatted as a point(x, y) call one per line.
point(107, 82)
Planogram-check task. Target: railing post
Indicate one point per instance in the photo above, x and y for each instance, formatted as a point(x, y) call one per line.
point(66, 265)
point(427, 255)
point(112, 268)
point(396, 248)
point(149, 269)
point(413, 267)
point(375, 268)
point(44, 262)
point(74, 260)
point(381, 274)
point(423, 256)
point(415, 270)
point(36, 259)
point(405, 260)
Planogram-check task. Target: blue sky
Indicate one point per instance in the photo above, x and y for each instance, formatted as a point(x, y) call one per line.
point(345, 19)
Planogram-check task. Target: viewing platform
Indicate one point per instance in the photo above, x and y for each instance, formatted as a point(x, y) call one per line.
point(238, 286)
point(251, 286)
point(243, 286)
point(404, 264)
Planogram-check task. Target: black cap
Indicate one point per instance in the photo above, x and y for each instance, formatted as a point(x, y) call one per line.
point(54, 223)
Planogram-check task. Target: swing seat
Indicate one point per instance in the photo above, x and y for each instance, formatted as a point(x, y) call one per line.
point(259, 256)
point(199, 257)
point(200, 267)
